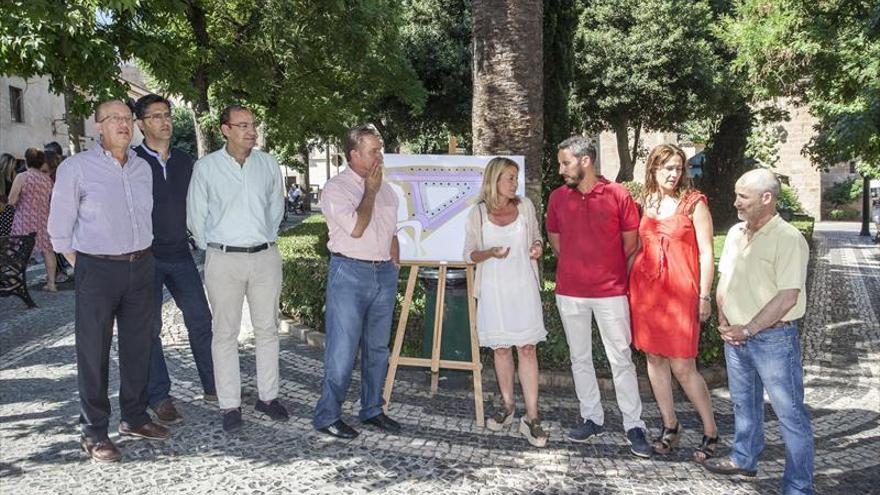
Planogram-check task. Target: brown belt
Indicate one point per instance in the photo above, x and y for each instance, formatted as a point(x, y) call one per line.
point(130, 257)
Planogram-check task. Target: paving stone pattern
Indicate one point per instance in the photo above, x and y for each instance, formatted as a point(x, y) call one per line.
point(441, 450)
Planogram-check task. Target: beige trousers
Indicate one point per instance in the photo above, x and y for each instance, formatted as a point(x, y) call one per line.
point(229, 278)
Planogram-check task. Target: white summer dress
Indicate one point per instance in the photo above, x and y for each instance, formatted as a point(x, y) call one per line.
point(509, 308)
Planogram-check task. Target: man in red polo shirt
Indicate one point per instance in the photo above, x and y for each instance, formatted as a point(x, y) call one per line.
point(593, 228)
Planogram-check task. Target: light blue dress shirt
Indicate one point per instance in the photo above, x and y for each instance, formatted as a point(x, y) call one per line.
point(232, 204)
point(100, 206)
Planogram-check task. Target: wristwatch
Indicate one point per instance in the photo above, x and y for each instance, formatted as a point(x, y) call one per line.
point(746, 332)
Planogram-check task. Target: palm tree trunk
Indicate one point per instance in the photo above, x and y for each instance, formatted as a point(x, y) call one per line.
point(508, 83)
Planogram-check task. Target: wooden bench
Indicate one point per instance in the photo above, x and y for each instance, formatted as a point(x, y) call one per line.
point(15, 252)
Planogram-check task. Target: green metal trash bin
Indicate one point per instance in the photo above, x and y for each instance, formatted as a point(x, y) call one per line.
point(455, 344)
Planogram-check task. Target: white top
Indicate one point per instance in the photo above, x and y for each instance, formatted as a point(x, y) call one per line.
point(509, 309)
point(232, 204)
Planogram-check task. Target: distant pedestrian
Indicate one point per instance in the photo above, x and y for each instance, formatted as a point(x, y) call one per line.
point(30, 194)
point(761, 295)
point(100, 220)
point(7, 176)
point(234, 208)
point(175, 268)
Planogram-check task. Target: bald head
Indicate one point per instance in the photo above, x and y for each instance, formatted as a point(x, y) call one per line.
point(760, 181)
point(105, 106)
point(756, 193)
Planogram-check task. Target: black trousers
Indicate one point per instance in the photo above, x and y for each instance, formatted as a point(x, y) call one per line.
point(108, 290)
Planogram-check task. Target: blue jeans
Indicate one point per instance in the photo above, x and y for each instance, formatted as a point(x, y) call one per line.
point(183, 281)
point(771, 360)
point(359, 308)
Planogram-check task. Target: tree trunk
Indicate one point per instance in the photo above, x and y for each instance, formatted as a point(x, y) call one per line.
point(508, 84)
point(201, 106)
point(621, 133)
point(303, 153)
point(725, 163)
point(75, 124)
point(866, 205)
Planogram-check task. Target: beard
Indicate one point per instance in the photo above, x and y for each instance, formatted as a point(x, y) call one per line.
point(573, 182)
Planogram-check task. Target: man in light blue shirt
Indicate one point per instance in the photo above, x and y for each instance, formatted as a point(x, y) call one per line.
point(234, 207)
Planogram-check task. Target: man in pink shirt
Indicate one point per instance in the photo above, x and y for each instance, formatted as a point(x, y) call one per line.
point(361, 213)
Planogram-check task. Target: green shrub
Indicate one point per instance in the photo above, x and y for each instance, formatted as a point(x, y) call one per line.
point(843, 214)
point(635, 188)
point(304, 258)
point(805, 224)
point(843, 192)
point(305, 261)
point(788, 201)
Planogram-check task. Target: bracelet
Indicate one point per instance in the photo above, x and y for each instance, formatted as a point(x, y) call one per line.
point(746, 331)
point(706, 298)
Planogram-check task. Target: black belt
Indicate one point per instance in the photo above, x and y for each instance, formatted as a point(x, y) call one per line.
point(372, 262)
point(234, 249)
point(779, 324)
point(130, 257)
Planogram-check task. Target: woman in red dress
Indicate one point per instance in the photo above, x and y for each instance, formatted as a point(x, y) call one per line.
point(670, 282)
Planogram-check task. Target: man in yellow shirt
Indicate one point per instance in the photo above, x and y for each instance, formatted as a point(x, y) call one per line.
point(761, 295)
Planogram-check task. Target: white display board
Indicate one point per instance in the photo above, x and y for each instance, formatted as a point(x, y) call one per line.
point(436, 192)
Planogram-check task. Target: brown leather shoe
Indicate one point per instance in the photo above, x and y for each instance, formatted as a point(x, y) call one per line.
point(103, 451)
point(166, 413)
point(150, 431)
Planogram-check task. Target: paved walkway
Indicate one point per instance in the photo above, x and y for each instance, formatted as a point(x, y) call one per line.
point(441, 450)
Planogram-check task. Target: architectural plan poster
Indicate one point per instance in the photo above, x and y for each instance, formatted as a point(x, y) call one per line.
point(436, 192)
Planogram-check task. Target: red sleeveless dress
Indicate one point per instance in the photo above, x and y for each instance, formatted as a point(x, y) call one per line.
point(664, 284)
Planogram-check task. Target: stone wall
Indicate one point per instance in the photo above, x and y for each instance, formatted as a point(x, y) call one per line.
point(43, 117)
point(798, 170)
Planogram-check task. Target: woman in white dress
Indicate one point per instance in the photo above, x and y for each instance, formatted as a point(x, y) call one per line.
point(504, 240)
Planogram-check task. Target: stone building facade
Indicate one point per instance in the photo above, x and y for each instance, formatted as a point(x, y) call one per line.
point(794, 168)
point(31, 115)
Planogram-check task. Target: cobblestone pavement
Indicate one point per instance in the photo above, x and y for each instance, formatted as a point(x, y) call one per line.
point(441, 449)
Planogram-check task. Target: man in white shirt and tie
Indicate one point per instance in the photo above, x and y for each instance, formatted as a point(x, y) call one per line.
point(234, 207)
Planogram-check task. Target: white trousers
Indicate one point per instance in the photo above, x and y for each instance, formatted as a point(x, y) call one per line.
point(229, 278)
point(612, 317)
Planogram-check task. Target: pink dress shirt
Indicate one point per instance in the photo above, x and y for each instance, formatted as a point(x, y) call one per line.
point(339, 201)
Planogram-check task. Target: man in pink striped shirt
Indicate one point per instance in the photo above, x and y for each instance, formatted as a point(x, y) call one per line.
point(361, 213)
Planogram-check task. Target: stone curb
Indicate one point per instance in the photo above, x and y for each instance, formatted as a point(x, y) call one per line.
point(716, 376)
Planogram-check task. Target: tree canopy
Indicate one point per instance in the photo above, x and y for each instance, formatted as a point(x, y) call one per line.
point(825, 54)
point(70, 42)
point(642, 65)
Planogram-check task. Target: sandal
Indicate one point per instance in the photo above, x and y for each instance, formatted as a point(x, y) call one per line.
point(50, 289)
point(668, 440)
point(706, 450)
point(500, 418)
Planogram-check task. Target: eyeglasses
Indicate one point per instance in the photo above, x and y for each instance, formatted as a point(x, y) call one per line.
point(117, 119)
point(158, 116)
point(246, 126)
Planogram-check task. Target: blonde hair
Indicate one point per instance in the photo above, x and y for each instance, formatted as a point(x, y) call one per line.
point(489, 190)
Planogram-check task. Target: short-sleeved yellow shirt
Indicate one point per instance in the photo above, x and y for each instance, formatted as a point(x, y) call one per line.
point(754, 272)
